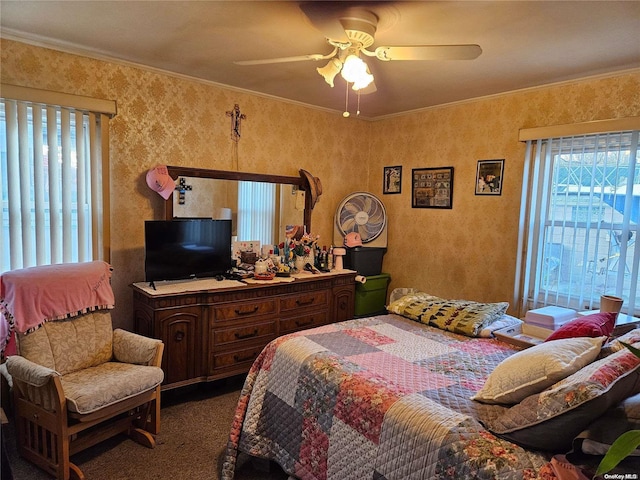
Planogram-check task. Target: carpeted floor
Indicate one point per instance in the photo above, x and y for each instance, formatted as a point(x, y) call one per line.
point(195, 427)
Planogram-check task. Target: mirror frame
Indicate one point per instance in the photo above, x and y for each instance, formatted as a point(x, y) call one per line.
point(300, 182)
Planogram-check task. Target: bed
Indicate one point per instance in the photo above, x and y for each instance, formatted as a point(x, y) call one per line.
point(389, 397)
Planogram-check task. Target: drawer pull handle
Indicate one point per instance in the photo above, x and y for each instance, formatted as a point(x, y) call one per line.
point(306, 302)
point(179, 336)
point(304, 324)
point(247, 312)
point(238, 358)
point(247, 335)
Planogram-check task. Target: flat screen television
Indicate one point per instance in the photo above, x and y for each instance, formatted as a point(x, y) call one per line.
point(186, 248)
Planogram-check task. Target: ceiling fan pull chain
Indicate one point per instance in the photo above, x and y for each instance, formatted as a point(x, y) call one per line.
point(358, 111)
point(346, 102)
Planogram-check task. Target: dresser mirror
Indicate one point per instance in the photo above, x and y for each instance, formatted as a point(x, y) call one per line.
point(203, 193)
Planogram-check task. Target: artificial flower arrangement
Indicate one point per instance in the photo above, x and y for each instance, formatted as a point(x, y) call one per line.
point(304, 246)
point(299, 244)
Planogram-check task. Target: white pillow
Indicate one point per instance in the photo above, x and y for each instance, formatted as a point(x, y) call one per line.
point(532, 370)
point(503, 322)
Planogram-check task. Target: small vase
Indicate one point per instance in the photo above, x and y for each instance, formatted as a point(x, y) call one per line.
point(609, 303)
point(301, 260)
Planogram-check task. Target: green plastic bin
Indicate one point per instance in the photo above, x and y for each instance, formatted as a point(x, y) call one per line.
point(372, 295)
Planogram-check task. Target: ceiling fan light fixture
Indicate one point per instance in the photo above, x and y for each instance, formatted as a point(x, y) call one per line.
point(355, 71)
point(330, 70)
point(363, 82)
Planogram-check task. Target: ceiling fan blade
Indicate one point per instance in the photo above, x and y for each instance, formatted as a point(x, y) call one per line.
point(299, 58)
point(429, 52)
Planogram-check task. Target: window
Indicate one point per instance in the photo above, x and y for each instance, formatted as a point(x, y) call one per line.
point(257, 208)
point(581, 209)
point(51, 180)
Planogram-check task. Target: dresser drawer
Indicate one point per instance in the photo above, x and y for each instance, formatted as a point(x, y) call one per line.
point(239, 333)
point(302, 322)
point(214, 334)
point(236, 357)
point(245, 309)
point(303, 300)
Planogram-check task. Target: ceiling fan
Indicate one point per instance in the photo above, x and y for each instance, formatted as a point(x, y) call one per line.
point(351, 31)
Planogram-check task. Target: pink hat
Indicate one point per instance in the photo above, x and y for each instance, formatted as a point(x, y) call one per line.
point(159, 181)
point(353, 239)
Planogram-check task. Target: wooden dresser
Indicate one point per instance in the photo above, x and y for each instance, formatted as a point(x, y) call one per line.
point(216, 333)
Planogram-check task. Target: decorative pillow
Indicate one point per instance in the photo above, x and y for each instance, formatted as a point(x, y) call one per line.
point(410, 305)
point(551, 419)
point(599, 435)
point(614, 345)
point(534, 369)
point(400, 292)
point(594, 325)
point(459, 316)
point(503, 322)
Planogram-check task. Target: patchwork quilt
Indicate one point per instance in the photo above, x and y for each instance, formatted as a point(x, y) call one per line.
point(377, 398)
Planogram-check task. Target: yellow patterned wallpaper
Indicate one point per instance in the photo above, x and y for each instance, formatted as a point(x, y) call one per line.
point(469, 251)
point(465, 252)
point(176, 121)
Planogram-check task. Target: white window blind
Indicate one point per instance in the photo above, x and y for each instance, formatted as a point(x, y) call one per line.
point(257, 211)
point(579, 223)
point(53, 163)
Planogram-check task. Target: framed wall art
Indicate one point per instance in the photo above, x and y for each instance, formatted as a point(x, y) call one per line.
point(392, 180)
point(432, 187)
point(489, 177)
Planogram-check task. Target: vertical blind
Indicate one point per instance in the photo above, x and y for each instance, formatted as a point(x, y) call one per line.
point(579, 222)
point(52, 164)
point(256, 211)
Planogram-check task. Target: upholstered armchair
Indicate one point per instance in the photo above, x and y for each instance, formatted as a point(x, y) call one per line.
point(73, 375)
point(75, 380)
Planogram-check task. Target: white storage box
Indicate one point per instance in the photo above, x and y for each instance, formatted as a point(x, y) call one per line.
point(523, 335)
point(550, 317)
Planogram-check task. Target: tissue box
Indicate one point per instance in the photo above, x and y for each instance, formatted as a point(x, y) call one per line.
point(550, 317)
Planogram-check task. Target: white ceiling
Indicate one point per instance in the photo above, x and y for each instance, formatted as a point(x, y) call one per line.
point(524, 43)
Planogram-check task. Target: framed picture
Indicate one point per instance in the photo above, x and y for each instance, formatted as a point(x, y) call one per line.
point(489, 177)
point(432, 187)
point(392, 180)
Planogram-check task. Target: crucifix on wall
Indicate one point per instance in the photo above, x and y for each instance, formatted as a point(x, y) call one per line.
point(182, 188)
point(236, 122)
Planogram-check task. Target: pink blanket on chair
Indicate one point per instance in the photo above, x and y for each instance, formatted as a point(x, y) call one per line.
point(32, 296)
